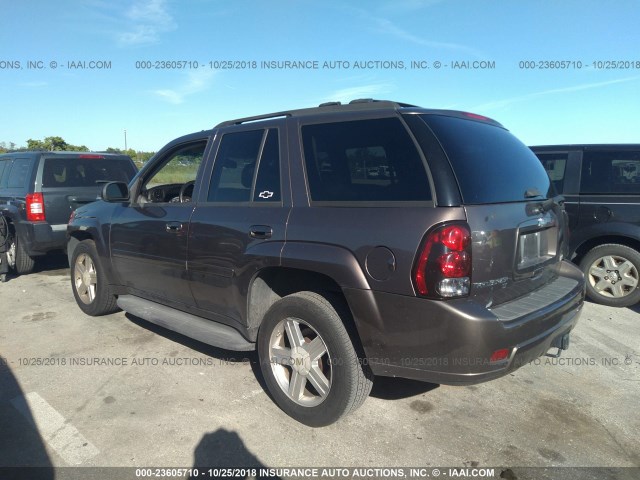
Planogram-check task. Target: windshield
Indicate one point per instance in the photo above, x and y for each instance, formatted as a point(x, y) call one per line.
point(490, 164)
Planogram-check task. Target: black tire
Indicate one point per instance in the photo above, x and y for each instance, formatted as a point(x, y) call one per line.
point(90, 287)
point(23, 262)
point(612, 274)
point(349, 378)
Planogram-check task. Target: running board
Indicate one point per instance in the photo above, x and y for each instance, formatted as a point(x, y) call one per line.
point(203, 330)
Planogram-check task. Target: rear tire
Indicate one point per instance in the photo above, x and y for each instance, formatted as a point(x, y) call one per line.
point(308, 360)
point(23, 262)
point(90, 287)
point(612, 274)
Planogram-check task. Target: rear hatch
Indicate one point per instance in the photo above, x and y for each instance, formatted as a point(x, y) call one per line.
point(517, 223)
point(72, 180)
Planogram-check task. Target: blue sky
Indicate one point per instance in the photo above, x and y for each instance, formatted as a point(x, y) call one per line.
point(94, 106)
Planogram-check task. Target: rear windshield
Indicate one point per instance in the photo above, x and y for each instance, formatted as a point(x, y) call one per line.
point(490, 164)
point(85, 172)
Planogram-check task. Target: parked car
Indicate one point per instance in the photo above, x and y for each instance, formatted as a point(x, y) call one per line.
point(38, 191)
point(601, 186)
point(450, 270)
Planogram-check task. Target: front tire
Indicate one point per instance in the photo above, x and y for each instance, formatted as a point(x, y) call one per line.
point(89, 283)
point(308, 360)
point(612, 275)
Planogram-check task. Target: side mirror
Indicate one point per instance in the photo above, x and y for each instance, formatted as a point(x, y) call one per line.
point(115, 192)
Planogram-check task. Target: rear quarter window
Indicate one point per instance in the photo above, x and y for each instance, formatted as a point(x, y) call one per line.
point(555, 164)
point(490, 164)
point(19, 173)
point(85, 172)
point(610, 172)
point(363, 161)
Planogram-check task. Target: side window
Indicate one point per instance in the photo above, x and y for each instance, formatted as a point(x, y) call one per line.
point(235, 166)
point(3, 164)
point(179, 168)
point(267, 187)
point(19, 173)
point(611, 172)
point(363, 161)
point(555, 164)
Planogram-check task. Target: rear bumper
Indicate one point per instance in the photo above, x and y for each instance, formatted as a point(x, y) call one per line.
point(41, 238)
point(452, 342)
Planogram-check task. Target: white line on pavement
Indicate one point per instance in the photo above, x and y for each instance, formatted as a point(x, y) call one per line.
point(61, 436)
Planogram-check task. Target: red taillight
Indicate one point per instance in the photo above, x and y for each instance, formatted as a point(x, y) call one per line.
point(455, 265)
point(499, 355)
point(455, 237)
point(35, 207)
point(90, 155)
point(444, 265)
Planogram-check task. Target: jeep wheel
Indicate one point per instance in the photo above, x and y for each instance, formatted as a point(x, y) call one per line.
point(90, 287)
point(309, 362)
point(612, 274)
point(17, 257)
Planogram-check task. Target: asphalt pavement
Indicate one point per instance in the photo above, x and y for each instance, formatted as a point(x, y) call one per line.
point(117, 391)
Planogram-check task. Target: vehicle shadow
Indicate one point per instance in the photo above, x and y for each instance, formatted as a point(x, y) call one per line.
point(53, 263)
point(384, 388)
point(390, 388)
point(635, 308)
point(50, 265)
point(223, 449)
point(21, 446)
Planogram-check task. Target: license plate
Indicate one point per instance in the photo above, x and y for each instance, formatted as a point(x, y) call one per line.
point(533, 248)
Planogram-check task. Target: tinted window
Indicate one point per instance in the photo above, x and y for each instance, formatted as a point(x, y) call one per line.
point(3, 163)
point(85, 172)
point(234, 167)
point(555, 164)
point(610, 172)
point(267, 187)
point(491, 165)
point(363, 161)
point(18, 176)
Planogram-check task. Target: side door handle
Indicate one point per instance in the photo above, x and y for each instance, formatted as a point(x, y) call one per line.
point(260, 231)
point(174, 227)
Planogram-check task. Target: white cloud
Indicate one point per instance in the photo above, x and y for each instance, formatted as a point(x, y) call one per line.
point(345, 95)
point(388, 27)
point(506, 102)
point(146, 21)
point(195, 82)
point(34, 84)
point(407, 5)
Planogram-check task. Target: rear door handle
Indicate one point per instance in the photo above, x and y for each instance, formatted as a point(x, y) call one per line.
point(174, 227)
point(260, 231)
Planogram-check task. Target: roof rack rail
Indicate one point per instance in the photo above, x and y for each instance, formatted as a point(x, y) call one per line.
point(239, 121)
point(361, 103)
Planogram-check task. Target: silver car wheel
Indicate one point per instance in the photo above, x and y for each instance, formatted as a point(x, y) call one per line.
point(300, 362)
point(613, 276)
point(85, 278)
point(11, 254)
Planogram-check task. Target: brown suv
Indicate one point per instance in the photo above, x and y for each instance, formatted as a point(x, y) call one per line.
point(340, 242)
